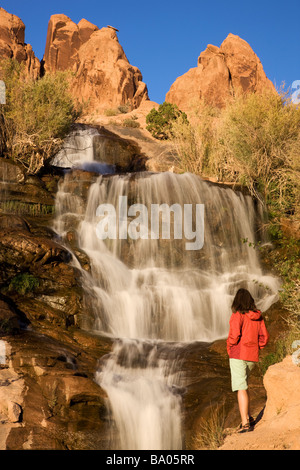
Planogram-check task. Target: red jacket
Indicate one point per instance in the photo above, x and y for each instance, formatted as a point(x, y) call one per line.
point(247, 335)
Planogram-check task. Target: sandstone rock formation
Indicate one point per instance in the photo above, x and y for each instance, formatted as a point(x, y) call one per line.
point(13, 46)
point(221, 72)
point(279, 428)
point(104, 77)
point(64, 39)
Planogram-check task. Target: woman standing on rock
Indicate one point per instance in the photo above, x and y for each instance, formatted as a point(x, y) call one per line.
point(247, 335)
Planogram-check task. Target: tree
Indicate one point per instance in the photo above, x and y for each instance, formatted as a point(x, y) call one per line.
point(160, 121)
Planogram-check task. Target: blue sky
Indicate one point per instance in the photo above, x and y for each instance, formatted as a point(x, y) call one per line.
point(164, 38)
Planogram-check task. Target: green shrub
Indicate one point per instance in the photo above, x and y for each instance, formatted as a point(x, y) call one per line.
point(160, 121)
point(23, 283)
point(37, 115)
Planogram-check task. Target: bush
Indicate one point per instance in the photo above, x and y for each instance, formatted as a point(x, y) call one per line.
point(131, 123)
point(254, 141)
point(111, 112)
point(210, 434)
point(160, 121)
point(36, 117)
point(124, 108)
point(194, 144)
point(258, 138)
point(23, 283)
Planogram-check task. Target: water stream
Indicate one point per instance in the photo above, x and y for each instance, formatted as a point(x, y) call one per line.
point(152, 295)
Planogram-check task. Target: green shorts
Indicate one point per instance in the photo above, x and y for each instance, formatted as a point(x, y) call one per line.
point(240, 371)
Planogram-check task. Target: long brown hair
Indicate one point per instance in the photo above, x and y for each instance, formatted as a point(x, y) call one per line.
point(243, 302)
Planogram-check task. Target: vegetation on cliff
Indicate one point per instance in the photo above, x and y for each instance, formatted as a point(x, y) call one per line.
point(38, 114)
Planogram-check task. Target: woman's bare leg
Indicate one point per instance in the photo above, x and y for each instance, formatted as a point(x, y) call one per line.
point(243, 401)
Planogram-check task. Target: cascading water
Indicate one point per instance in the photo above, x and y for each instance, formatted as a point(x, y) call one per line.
point(144, 399)
point(151, 292)
point(78, 152)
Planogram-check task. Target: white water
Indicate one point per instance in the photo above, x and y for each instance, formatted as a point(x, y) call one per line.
point(78, 152)
point(151, 291)
point(140, 386)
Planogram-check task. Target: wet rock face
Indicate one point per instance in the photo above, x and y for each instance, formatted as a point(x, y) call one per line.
point(11, 172)
point(123, 153)
point(9, 318)
point(36, 274)
point(59, 405)
point(20, 250)
point(51, 399)
point(25, 194)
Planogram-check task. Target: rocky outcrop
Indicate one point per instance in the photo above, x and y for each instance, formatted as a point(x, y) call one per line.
point(36, 274)
point(103, 76)
point(13, 46)
point(221, 72)
point(64, 38)
point(103, 79)
point(283, 403)
point(48, 397)
point(279, 428)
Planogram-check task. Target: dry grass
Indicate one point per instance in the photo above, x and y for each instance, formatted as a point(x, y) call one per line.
point(211, 433)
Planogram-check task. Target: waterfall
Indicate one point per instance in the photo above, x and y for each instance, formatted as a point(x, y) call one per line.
point(144, 401)
point(78, 152)
point(151, 295)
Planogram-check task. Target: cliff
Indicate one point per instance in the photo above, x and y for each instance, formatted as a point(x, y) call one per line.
point(104, 79)
point(102, 76)
point(221, 72)
point(13, 46)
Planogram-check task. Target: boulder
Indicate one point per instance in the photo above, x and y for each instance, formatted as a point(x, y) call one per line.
point(13, 46)
point(279, 426)
point(283, 402)
point(221, 72)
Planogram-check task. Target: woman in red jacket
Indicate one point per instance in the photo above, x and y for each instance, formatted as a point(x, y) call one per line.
point(247, 335)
